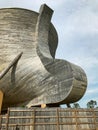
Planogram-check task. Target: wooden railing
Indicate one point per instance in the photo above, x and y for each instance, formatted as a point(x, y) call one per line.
point(49, 119)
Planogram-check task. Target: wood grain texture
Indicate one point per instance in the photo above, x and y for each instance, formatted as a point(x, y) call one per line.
point(39, 78)
point(1, 100)
point(50, 119)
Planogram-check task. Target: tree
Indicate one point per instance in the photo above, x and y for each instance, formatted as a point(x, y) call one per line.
point(91, 104)
point(76, 105)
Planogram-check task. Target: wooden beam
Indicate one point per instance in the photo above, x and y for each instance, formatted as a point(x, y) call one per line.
point(43, 105)
point(1, 100)
point(2, 74)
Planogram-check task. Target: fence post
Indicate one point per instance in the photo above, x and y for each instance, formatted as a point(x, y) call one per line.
point(7, 119)
point(94, 116)
point(17, 127)
point(75, 111)
point(57, 114)
point(1, 100)
point(33, 122)
point(0, 121)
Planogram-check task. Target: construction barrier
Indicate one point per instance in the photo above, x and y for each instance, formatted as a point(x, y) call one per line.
point(49, 119)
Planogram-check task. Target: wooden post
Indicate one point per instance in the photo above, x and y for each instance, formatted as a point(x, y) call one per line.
point(57, 115)
point(1, 100)
point(75, 111)
point(7, 118)
point(43, 105)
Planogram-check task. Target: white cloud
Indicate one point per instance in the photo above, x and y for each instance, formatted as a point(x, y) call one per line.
point(93, 91)
point(33, 5)
point(79, 42)
point(87, 62)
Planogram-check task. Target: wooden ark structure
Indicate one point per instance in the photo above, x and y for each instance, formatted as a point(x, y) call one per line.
point(29, 72)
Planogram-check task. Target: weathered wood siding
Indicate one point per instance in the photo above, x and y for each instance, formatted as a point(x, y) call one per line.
point(50, 119)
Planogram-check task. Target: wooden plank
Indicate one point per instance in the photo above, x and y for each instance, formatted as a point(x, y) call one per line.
point(57, 113)
point(7, 119)
point(1, 100)
point(0, 121)
point(87, 129)
point(95, 123)
point(43, 123)
point(51, 119)
point(33, 122)
point(30, 117)
point(21, 110)
point(76, 119)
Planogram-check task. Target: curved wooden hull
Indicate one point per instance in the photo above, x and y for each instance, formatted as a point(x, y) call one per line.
point(37, 77)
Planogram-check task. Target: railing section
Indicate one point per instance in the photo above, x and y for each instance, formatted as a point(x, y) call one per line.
point(49, 119)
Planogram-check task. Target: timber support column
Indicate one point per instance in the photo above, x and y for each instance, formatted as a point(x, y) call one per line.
point(43, 105)
point(1, 100)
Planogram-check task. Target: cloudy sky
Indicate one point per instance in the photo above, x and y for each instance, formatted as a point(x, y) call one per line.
point(76, 22)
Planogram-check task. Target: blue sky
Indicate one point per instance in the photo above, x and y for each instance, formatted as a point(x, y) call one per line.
point(76, 22)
